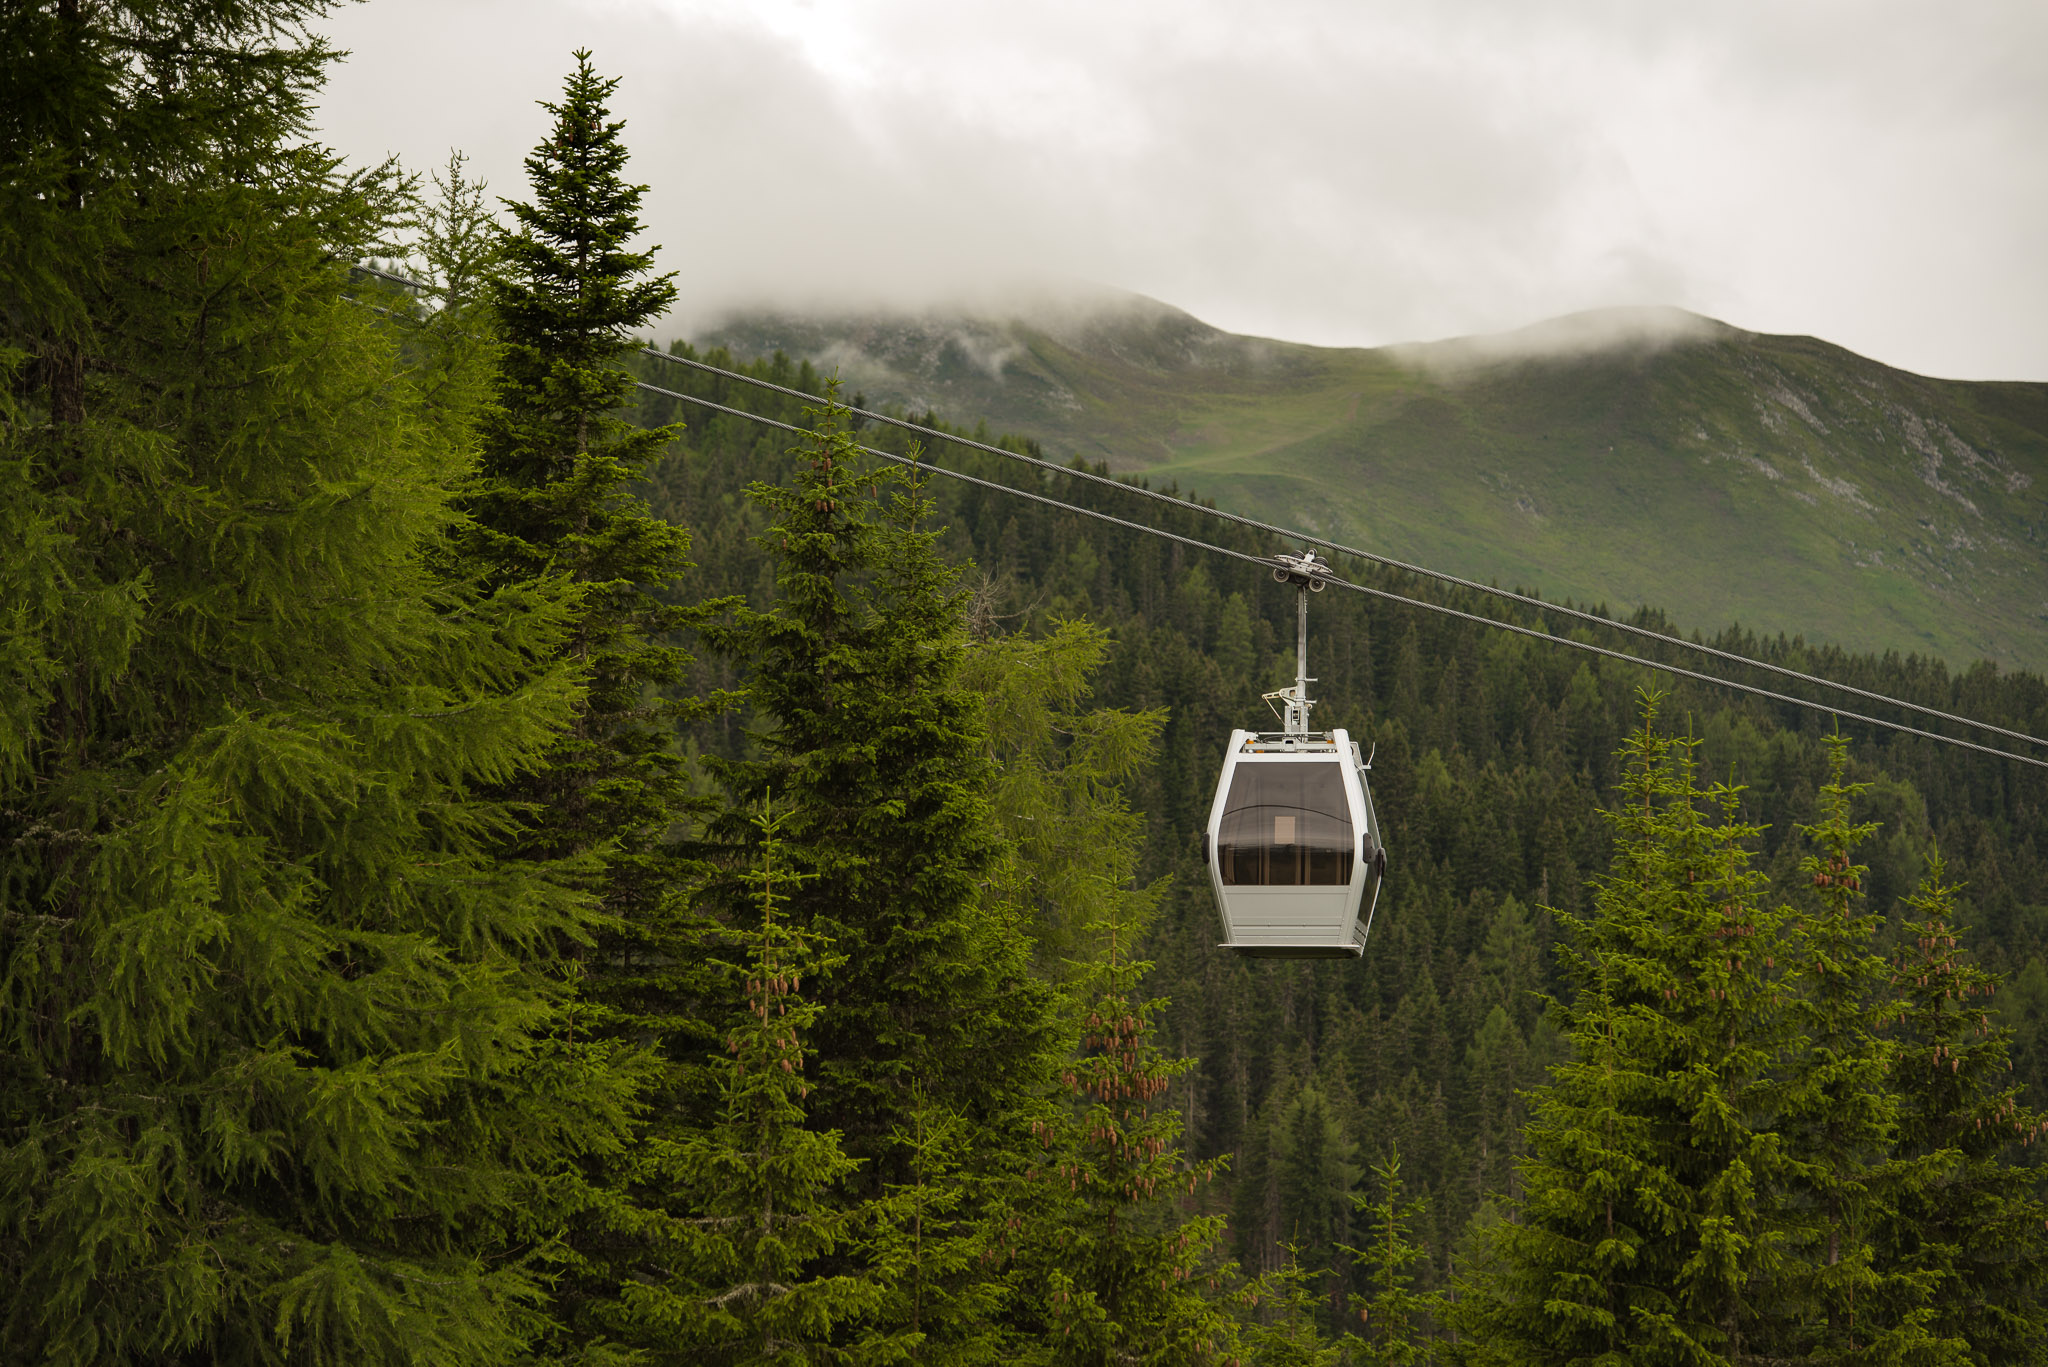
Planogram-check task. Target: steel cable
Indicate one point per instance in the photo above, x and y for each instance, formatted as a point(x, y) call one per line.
point(1268, 563)
point(1338, 547)
point(1389, 562)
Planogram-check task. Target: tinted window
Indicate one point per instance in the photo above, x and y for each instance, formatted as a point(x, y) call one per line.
point(1286, 824)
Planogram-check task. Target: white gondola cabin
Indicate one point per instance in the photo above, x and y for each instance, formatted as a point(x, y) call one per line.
point(1293, 845)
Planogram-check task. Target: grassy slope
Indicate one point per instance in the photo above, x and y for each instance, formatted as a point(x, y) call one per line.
point(1776, 481)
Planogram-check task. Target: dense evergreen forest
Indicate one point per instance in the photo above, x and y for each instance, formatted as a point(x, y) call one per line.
point(500, 867)
point(1495, 756)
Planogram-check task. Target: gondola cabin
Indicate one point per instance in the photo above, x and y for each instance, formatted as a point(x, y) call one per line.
point(1293, 846)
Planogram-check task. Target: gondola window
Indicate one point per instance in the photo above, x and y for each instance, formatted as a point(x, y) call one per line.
point(1286, 825)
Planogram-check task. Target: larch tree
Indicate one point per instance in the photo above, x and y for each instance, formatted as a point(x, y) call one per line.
point(1058, 773)
point(453, 250)
point(283, 1075)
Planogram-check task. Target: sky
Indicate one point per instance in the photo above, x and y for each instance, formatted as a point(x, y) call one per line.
point(1340, 172)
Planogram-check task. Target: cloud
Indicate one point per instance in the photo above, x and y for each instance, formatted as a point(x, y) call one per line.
point(1639, 331)
point(1345, 172)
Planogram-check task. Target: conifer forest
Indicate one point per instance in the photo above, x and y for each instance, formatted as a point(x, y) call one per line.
point(499, 864)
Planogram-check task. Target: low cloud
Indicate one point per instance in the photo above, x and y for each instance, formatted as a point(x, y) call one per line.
point(1328, 172)
point(1630, 331)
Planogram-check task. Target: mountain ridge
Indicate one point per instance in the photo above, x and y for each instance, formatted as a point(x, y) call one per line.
point(1630, 457)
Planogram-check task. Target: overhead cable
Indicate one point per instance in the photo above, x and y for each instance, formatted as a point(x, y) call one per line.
point(1337, 547)
point(1267, 562)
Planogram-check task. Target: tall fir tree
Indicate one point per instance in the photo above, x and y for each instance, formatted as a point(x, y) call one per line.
point(1647, 1230)
point(1841, 1116)
point(1979, 1225)
point(864, 726)
point(282, 1078)
point(736, 1281)
point(556, 501)
point(1396, 1321)
point(935, 1038)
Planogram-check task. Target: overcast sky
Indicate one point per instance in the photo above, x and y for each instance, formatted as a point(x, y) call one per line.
point(1356, 173)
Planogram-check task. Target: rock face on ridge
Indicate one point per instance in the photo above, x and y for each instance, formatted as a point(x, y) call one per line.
point(1626, 457)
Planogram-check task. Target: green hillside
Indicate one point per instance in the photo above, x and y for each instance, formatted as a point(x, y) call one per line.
point(1628, 457)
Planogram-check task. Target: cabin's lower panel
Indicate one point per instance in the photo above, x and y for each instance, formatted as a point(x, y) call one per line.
point(1290, 923)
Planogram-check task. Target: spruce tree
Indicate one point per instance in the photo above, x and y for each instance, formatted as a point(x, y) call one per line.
point(865, 729)
point(1313, 1174)
point(736, 1281)
point(1647, 1231)
point(941, 1244)
point(1841, 1116)
point(1119, 1272)
point(1979, 1225)
point(1397, 1319)
point(556, 501)
point(1498, 1072)
point(936, 1045)
point(282, 1079)
point(1283, 1312)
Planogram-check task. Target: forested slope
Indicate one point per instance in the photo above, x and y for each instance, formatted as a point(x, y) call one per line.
point(1494, 754)
point(1644, 457)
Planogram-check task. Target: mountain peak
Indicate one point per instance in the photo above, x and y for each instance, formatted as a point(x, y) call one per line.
point(1634, 331)
point(921, 347)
